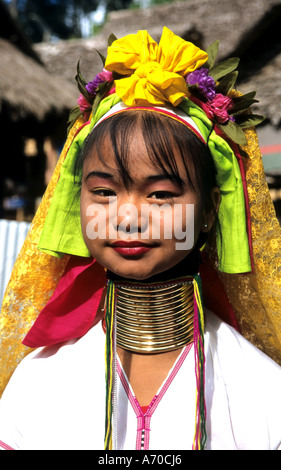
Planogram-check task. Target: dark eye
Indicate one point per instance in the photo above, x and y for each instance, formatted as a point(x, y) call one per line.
point(103, 192)
point(161, 195)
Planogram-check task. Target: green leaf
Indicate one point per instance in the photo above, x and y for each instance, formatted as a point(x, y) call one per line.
point(227, 83)
point(103, 59)
point(242, 106)
point(224, 67)
point(212, 52)
point(74, 114)
point(81, 82)
point(192, 88)
point(248, 96)
point(111, 39)
point(234, 132)
point(250, 120)
point(79, 75)
point(102, 90)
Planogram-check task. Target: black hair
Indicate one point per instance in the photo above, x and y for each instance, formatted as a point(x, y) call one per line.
point(161, 135)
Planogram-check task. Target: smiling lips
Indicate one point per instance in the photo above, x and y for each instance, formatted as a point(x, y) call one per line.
point(131, 248)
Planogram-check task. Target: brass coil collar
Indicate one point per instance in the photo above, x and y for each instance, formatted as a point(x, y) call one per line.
point(154, 318)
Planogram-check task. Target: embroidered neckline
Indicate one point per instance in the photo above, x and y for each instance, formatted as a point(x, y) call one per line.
point(143, 419)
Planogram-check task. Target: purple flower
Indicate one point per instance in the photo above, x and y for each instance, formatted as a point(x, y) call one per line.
point(102, 77)
point(92, 86)
point(206, 84)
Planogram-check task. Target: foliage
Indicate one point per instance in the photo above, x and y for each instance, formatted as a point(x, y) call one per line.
point(59, 18)
point(231, 112)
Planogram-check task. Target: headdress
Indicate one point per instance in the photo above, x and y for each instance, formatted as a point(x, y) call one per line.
point(245, 272)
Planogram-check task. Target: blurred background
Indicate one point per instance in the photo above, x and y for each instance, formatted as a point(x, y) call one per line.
point(42, 41)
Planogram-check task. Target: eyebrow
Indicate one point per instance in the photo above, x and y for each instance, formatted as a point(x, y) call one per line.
point(99, 174)
point(153, 178)
point(166, 176)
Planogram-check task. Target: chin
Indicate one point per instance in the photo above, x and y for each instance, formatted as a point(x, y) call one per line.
point(133, 275)
point(139, 270)
point(137, 273)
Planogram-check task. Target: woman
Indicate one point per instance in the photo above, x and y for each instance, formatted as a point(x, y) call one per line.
point(149, 181)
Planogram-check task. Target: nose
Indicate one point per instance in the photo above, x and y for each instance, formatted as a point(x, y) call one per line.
point(129, 221)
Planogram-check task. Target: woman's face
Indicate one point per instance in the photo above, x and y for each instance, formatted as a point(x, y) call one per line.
point(145, 228)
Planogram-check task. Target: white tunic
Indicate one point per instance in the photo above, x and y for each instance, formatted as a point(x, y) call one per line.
point(56, 399)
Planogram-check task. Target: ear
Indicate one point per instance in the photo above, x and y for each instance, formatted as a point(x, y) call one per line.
point(210, 216)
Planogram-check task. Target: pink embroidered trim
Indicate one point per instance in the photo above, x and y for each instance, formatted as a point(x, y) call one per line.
point(175, 116)
point(5, 446)
point(163, 111)
point(143, 419)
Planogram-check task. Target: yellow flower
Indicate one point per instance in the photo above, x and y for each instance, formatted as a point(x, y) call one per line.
point(153, 74)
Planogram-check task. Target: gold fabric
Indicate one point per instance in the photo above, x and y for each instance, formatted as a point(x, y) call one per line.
point(33, 281)
point(256, 298)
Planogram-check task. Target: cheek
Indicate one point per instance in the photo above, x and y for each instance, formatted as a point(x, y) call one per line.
point(90, 217)
point(198, 219)
point(187, 221)
point(83, 211)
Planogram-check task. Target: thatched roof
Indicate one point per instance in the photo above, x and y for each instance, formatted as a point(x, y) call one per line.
point(26, 88)
point(232, 22)
point(61, 58)
point(239, 25)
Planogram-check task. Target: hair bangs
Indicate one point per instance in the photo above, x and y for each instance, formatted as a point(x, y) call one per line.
point(164, 138)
